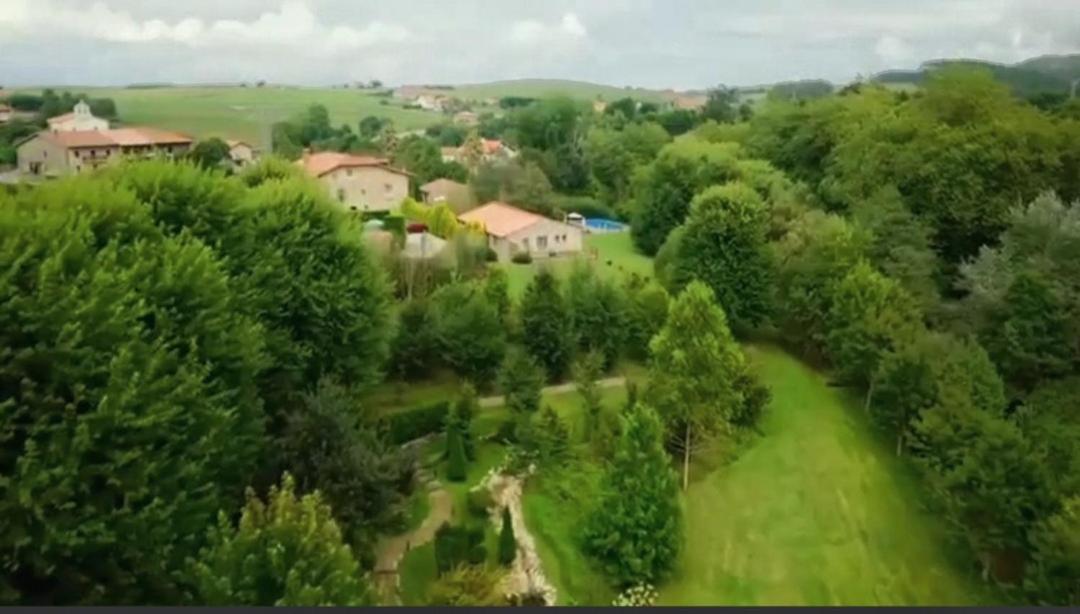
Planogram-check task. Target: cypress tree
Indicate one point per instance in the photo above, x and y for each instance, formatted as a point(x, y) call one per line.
point(507, 541)
point(455, 449)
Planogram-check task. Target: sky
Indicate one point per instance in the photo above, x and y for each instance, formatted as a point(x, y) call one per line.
point(682, 44)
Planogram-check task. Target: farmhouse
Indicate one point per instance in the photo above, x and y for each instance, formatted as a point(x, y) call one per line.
point(511, 230)
point(241, 153)
point(457, 196)
point(360, 183)
point(49, 153)
point(79, 120)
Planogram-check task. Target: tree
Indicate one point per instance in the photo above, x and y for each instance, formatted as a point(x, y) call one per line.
point(507, 543)
point(597, 313)
point(415, 347)
point(870, 314)
point(455, 451)
point(551, 437)
point(646, 310)
point(469, 330)
point(287, 552)
point(212, 153)
point(694, 367)
point(1026, 338)
point(665, 187)
point(460, 418)
point(546, 326)
point(467, 585)
point(497, 290)
point(637, 538)
point(130, 412)
point(521, 380)
point(724, 245)
point(587, 370)
point(1055, 575)
point(522, 183)
point(720, 104)
point(328, 447)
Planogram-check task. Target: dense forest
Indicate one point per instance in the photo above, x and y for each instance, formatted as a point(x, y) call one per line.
point(190, 357)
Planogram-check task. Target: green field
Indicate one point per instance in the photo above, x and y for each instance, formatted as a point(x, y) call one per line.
point(538, 88)
point(817, 511)
point(613, 255)
point(247, 113)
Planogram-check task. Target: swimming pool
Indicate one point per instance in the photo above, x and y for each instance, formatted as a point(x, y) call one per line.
point(599, 224)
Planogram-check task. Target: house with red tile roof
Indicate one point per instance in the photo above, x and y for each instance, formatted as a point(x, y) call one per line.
point(511, 230)
point(359, 183)
point(53, 154)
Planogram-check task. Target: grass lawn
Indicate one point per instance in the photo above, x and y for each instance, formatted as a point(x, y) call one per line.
point(612, 254)
point(246, 112)
point(818, 511)
point(418, 572)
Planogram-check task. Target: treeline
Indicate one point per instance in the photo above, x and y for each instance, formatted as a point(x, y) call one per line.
point(173, 338)
point(923, 254)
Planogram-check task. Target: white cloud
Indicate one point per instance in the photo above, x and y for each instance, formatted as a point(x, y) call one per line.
point(531, 31)
point(894, 50)
point(293, 24)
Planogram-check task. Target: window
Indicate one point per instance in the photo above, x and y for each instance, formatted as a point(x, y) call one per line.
point(541, 242)
point(341, 195)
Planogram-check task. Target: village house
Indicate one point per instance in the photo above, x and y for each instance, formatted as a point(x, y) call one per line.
point(79, 120)
point(431, 102)
point(6, 113)
point(53, 154)
point(511, 230)
point(458, 196)
point(495, 151)
point(467, 118)
point(360, 183)
point(240, 153)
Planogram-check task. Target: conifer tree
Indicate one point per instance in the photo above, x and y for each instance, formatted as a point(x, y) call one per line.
point(507, 541)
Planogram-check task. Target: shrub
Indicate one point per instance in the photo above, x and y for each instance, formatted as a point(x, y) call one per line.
point(456, 462)
point(467, 585)
point(405, 426)
point(456, 546)
point(490, 255)
point(479, 501)
point(521, 258)
point(288, 552)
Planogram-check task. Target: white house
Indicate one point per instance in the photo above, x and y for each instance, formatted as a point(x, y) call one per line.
point(511, 230)
point(240, 153)
point(360, 183)
point(79, 120)
point(6, 113)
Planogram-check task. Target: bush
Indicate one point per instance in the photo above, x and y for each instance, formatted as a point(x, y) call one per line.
point(587, 206)
point(456, 546)
point(456, 469)
point(479, 501)
point(490, 255)
point(521, 258)
point(417, 422)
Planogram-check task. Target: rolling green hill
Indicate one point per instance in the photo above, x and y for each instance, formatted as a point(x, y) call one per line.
point(247, 113)
point(1042, 75)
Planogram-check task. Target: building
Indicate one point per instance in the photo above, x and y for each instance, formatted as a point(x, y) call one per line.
point(458, 196)
point(241, 153)
point(495, 150)
point(361, 183)
point(424, 246)
point(52, 154)
point(451, 154)
point(6, 113)
point(467, 118)
point(599, 106)
point(511, 230)
point(79, 120)
point(431, 102)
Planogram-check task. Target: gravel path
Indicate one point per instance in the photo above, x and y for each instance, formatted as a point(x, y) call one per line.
point(611, 382)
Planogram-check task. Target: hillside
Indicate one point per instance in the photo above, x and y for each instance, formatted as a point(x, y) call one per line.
point(1042, 75)
point(535, 88)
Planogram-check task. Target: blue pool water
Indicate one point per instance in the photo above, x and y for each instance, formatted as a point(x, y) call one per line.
point(599, 223)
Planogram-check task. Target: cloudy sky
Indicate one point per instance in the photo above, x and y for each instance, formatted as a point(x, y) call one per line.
point(651, 43)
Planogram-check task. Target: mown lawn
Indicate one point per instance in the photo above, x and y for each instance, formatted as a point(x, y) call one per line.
point(818, 511)
point(612, 254)
point(247, 113)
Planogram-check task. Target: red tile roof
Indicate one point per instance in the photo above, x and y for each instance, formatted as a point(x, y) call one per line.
point(61, 118)
point(500, 219)
point(323, 162)
point(119, 137)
